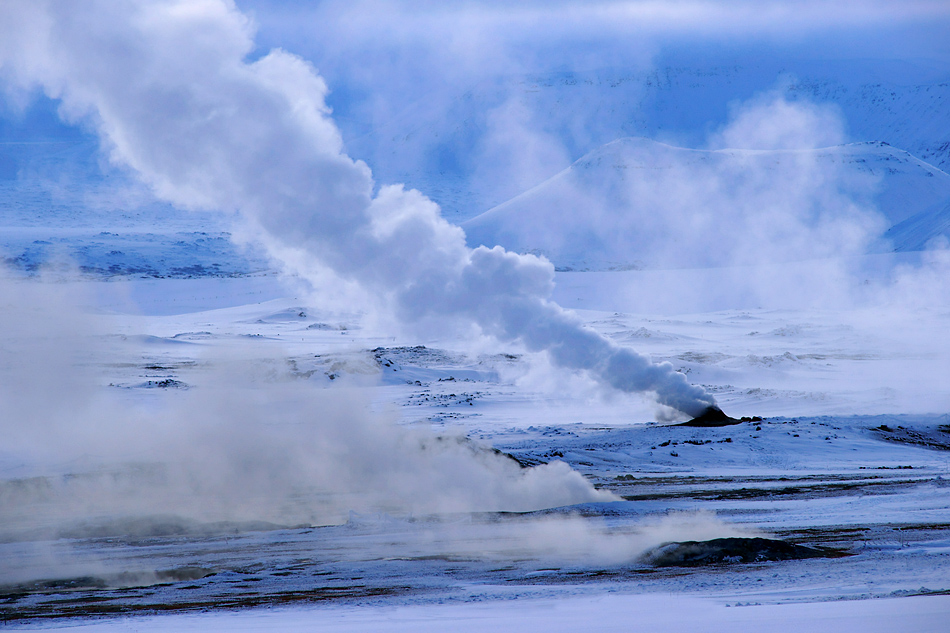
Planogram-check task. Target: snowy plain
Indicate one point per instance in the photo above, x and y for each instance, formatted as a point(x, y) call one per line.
point(817, 470)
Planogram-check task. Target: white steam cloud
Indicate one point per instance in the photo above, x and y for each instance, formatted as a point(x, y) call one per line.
point(173, 94)
point(777, 212)
point(243, 445)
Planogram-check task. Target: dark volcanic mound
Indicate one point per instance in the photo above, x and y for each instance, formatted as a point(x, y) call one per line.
point(730, 550)
point(711, 417)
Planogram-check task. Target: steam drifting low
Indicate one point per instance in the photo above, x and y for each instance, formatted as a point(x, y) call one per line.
point(245, 445)
point(174, 94)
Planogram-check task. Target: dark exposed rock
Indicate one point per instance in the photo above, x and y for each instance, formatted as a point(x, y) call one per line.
point(933, 438)
point(731, 550)
point(157, 526)
point(142, 578)
point(712, 417)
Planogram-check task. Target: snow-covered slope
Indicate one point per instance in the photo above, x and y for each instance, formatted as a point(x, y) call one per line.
point(439, 143)
point(636, 203)
point(917, 231)
point(57, 207)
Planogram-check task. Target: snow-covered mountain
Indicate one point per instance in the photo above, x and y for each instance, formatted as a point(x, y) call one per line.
point(637, 203)
point(439, 146)
point(916, 232)
point(440, 143)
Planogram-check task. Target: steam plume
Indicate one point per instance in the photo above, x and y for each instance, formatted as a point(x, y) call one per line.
point(237, 448)
point(170, 88)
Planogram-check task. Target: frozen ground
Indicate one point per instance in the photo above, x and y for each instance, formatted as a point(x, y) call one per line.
point(851, 455)
point(604, 612)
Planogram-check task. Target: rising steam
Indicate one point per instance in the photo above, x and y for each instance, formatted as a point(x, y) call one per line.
point(174, 93)
point(245, 445)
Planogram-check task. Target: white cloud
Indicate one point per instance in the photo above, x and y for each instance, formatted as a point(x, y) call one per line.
point(770, 121)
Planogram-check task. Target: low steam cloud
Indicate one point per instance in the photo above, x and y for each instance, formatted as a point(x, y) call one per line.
point(244, 445)
point(246, 449)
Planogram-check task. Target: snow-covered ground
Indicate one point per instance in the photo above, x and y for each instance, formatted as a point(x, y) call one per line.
point(605, 612)
point(851, 454)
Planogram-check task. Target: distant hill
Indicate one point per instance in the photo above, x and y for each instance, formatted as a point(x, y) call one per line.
point(434, 145)
point(636, 203)
point(585, 216)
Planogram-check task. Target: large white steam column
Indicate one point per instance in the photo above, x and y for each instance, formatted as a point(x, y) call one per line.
point(168, 86)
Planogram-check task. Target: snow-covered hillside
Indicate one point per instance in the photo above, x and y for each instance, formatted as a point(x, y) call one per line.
point(58, 208)
point(441, 148)
point(636, 203)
